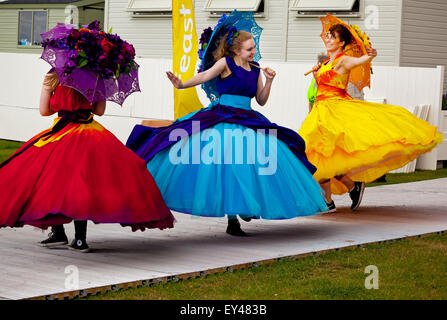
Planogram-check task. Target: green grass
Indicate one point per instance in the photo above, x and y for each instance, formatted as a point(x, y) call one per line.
point(7, 148)
point(408, 269)
point(418, 175)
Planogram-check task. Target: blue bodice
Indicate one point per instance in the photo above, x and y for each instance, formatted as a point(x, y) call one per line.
point(240, 82)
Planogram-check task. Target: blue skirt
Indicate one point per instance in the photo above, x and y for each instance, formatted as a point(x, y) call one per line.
point(232, 169)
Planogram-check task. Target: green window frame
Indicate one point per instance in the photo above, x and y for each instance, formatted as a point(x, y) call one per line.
point(31, 23)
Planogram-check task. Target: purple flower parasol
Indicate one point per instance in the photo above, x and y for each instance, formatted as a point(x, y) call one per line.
point(99, 65)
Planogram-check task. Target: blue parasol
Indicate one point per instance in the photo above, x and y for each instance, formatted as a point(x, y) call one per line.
point(243, 21)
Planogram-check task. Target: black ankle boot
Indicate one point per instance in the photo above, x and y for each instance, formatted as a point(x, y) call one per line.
point(80, 229)
point(79, 243)
point(55, 238)
point(234, 228)
point(245, 218)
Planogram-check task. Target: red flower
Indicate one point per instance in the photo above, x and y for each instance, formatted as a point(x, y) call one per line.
point(106, 45)
point(75, 34)
point(129, 49)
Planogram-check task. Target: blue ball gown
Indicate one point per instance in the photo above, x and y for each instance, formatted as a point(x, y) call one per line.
point(231, 160)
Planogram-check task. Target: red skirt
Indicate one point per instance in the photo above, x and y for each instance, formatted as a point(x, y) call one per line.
point(82, 172)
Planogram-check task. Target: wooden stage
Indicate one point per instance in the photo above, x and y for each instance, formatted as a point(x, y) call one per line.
point(197, 246)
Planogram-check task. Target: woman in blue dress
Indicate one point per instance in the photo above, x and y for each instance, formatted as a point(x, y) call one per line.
point(231, 160)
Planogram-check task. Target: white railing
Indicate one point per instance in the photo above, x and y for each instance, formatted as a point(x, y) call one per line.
point(22, 75)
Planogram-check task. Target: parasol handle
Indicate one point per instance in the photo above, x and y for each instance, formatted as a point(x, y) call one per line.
point(252, 64)
point(310, 71)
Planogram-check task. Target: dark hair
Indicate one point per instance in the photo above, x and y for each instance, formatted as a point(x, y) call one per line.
point(342, 32)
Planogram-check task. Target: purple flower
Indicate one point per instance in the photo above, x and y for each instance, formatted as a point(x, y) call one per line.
point(232, 33)
point(73, 54)
point(201, 52)
point(206, 35)
point(97, 51)
point(94, 25)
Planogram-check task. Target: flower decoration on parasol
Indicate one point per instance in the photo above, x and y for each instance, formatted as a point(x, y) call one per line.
point(209, 41)
point(361, 75)
point(99, 65)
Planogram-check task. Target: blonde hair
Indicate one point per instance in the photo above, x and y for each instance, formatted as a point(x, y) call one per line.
point(224, 49)
point(51, 80)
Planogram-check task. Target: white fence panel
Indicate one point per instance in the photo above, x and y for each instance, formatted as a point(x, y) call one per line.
point(287, 106)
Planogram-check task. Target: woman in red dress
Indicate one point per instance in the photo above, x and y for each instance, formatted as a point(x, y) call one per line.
point(77, 170)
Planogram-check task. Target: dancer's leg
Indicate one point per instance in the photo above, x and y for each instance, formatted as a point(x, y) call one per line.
point(326, 186)
point(55, 238)
point(356, 190)
point(346, 181)
point(80, 243)
point(234, 227)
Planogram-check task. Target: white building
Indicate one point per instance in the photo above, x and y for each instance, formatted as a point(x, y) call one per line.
point(405, 32)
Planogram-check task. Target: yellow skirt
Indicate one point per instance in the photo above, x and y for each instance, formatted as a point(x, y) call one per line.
point(363, 140)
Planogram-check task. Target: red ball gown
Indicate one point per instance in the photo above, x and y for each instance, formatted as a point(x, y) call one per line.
point(79, 172)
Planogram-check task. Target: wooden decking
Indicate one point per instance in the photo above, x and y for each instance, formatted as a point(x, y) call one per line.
point(196, 246)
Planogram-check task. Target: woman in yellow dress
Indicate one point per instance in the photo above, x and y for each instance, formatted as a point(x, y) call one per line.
point(352, 142)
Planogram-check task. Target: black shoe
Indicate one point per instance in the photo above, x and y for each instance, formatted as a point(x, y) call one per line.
point(245, 218)
point(234, 228)
point(331, 207)
point(54, 240)
point(79, 245)
point(356, 194)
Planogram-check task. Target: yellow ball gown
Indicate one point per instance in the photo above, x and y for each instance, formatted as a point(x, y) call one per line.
point(362, 140)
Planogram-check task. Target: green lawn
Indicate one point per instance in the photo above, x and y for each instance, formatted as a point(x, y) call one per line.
point(408, 269)
point(7, 148)
point(418, 175)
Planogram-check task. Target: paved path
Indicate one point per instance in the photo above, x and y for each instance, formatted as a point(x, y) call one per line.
point(197, 245)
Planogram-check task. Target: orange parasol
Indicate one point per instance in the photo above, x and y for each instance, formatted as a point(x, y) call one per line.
point(359, 76)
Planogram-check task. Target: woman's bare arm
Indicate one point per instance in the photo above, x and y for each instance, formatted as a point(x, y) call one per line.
point(44, 105)
point(199, 78)
point(263, 92)
point(348, 63)
point(99, 108)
